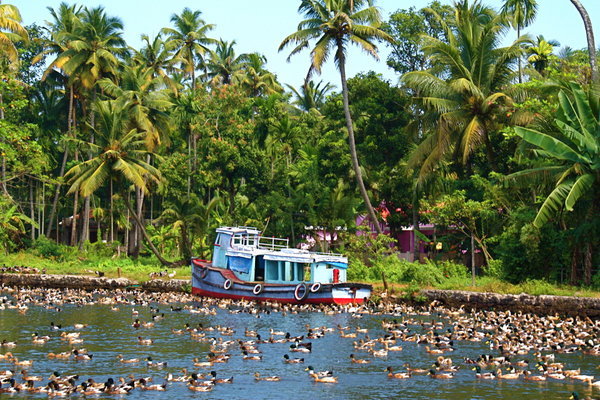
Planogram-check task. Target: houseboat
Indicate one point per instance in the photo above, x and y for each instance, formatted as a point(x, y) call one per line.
point(246, 265)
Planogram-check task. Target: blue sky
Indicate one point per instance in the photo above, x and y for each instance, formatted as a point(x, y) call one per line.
point(260, 25)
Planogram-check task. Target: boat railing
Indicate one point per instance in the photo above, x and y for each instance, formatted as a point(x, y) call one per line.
point(273, 243)
point(327, 254)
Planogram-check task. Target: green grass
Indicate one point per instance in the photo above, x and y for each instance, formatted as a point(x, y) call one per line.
point(82, 264)
point(495, 285)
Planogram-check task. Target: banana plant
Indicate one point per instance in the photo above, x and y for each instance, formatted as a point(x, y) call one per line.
point(573, 153)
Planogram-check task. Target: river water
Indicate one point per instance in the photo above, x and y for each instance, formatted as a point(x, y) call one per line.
point(110, 332)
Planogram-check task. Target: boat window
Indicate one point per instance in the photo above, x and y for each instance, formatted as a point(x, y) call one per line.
point(272, 270)
point(223, 240)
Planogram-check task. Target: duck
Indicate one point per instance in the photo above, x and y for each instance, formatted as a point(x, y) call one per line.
point(528, 376)
point(483, 375)
point(415, 370)
point(155, 387)
point(310, 369)
point(440, 375)
point(6, 343)
point(127, 360)
point(145, 342)
point(288, 360)
point(221, 380)
point(200, 388)
point(358, 360)
point(155, 364)
point(323, 379)
point(26, 377)
point(511, 375)
point(202, 364)
point(247, 356)
point(89, 390)
point(297, 349)
point(82, 356)
point(397, 375)
point(273, 378)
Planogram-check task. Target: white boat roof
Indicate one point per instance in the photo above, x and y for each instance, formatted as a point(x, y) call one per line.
point(239, 229)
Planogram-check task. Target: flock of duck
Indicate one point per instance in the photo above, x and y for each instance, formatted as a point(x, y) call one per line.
point(521, 346)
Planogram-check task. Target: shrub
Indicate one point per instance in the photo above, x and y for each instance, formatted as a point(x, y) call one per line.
point(357, 271)
point(46, 248)
point(494, 269)
point(451, 269)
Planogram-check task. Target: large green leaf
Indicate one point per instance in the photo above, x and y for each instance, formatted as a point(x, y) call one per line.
point(580, 188)
point(551, 145)
point(553, 203)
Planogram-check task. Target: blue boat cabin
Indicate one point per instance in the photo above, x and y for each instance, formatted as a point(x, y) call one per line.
point(261, 259)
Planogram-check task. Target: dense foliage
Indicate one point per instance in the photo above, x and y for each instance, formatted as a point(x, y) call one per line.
point(146, 151)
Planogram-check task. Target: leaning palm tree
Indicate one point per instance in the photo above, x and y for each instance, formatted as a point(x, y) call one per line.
point(519, 13)
point(589, 33)
point(11, 31)
point(334, 25)
point(118, 155)
point(188, 40)
point(468, 104)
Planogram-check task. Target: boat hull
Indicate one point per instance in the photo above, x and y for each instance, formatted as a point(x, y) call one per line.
point(221, 283)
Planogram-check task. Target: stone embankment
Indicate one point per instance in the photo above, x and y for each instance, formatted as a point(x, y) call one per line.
point(92, 282)
point(563, 305)
point(543, 304)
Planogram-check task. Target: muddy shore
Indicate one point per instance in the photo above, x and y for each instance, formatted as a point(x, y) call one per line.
point(544, 304)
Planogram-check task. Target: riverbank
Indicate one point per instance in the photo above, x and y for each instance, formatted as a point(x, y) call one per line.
point(543, 304)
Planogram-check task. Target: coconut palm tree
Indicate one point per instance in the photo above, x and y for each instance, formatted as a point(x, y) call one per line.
point(333, 25)
point(11, 31)
point(146, 106)
point(468, 104)
point(519, 13)
point(311, 96)
point(93, 51)
point(540, 53)
point(573, 153)
point(255, 79)
point(223, 65)
point(65, 20)
point(117, 154)
point(155, 55)
point(189, 41)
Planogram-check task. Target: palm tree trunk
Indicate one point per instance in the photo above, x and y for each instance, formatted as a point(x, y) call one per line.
point(85, 227)
point(31, 209)
point(112, 214)
point(3, 177)
point(73, 240)
point(355, 164)
point(520, 66)
point(415, 222)
point(589, 32)
point(63, 164)
point(145, 234)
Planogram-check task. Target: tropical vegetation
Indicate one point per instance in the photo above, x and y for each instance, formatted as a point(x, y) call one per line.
point(111, 155)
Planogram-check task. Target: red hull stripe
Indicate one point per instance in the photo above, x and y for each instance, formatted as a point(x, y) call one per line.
point(201, 292)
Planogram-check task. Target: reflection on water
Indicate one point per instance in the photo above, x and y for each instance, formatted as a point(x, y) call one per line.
point(110, 333)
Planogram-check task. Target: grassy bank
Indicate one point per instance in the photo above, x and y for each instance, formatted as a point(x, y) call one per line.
point(402, 276)
point(83, 264)
point(491, 285)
